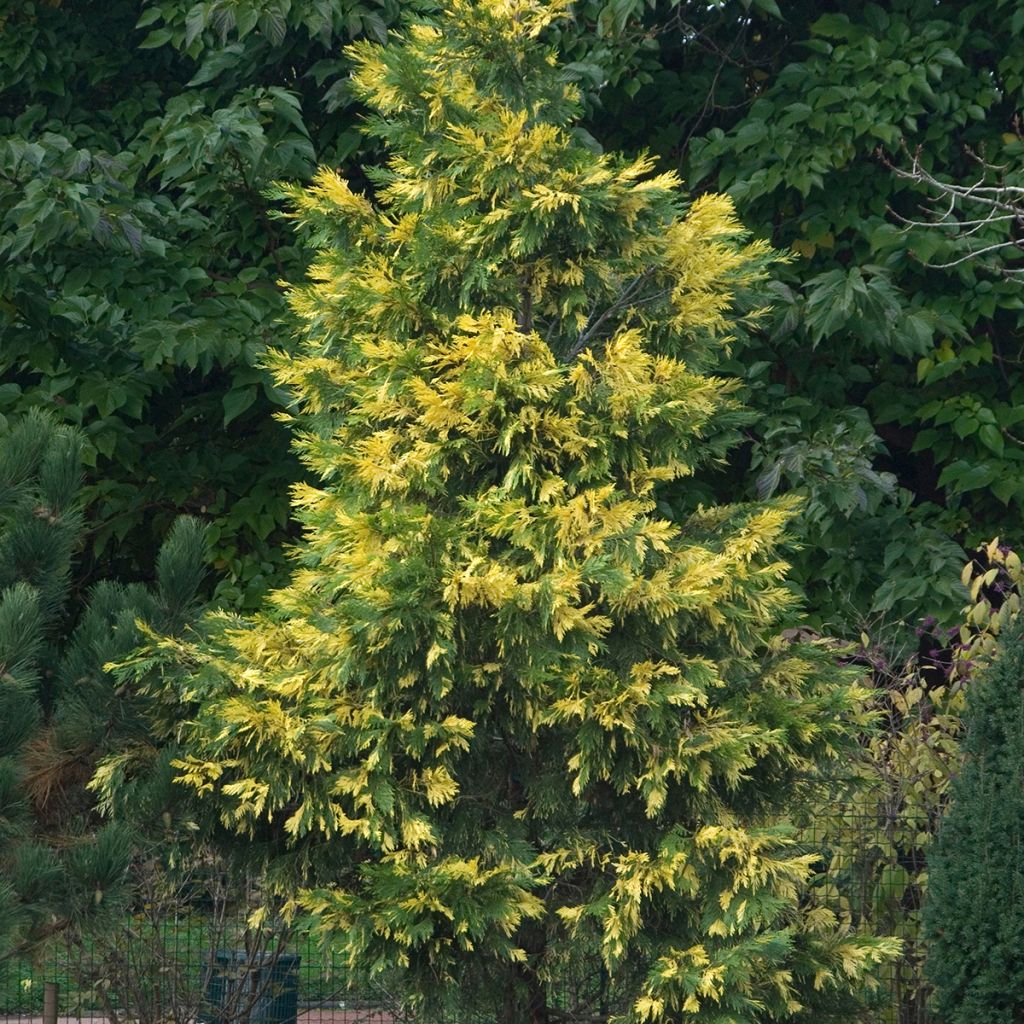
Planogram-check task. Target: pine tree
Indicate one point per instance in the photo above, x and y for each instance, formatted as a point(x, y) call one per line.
point(521, 721)
point(974, 913)
point(59, 709)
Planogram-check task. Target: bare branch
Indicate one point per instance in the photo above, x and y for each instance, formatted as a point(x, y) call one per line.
point(990, 219)
point(962, 211)
point(980, 252)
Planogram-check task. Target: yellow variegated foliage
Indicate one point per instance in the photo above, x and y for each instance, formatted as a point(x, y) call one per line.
point(522, 715)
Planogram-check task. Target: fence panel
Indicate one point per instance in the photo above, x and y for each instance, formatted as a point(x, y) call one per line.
point(196, 968)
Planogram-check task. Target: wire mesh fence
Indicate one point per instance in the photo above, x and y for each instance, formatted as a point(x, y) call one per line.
point(179, 963)
point(182, 977)
point(873, 873)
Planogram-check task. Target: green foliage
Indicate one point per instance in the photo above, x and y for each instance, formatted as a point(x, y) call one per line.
point(40, 476)
point(59, 709)
point(879, 830)
point(974, 915)
point(889, 390)
point(142, 261)
point(511, 721)
point(137, 141)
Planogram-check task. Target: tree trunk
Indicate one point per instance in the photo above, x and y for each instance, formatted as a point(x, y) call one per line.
point(537, 999)
point(526, 998)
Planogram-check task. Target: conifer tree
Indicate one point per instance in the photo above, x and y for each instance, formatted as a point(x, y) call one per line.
point(59, 709)
point(519, 720)
point(974, 913)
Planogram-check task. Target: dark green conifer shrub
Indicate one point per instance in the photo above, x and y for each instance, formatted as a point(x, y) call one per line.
point(974, 918)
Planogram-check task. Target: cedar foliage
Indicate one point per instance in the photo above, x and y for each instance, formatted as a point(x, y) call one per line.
point(514, 725)
point(974, 915)
point(60, 711)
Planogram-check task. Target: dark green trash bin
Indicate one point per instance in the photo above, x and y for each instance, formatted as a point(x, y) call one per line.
point(239, 988)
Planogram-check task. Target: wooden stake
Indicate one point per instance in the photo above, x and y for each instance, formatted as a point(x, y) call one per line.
point(50, 992)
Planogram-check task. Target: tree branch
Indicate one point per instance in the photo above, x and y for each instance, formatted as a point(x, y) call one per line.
point(967, 209)
point(622, 301)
